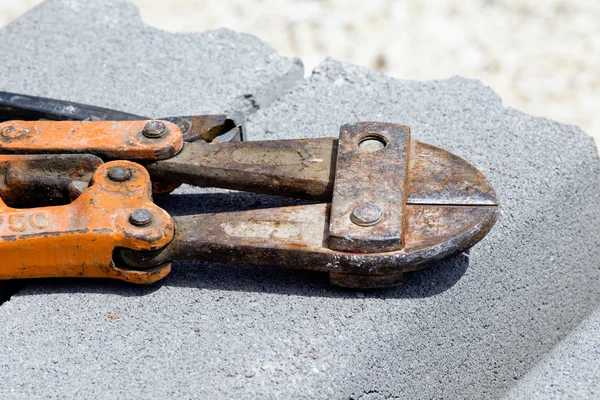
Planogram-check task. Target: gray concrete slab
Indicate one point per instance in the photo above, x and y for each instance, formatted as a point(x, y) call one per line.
point(529, 282)
point(101, 53)
point(468, 328)
point(570, 371)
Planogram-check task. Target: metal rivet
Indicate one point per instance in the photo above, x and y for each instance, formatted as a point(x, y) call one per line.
point(119, 174)
point(366, 214)
point(14, 132)
point(154, 129)
point(7, 131)
point(140, 217)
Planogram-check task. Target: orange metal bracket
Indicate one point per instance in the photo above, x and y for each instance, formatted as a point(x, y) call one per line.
point(127, 140)
point(79, 239)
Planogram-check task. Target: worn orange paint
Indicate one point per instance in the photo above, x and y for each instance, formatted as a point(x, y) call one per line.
point(112, 139)
point(78, 239)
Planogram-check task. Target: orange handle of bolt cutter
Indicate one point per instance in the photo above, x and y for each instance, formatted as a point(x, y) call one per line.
point(78, 239)
point(113, 139)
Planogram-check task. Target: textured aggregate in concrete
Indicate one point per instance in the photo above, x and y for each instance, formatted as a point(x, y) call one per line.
point(570, 371)
point(468, 328)
point(529, 282)
point(101, 53)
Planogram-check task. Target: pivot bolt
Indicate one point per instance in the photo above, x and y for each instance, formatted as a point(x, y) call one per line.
point(12, 132)
point(140, 217)
point(154, 129)
point(119, 174)
point(367, 214)
point(6, 132)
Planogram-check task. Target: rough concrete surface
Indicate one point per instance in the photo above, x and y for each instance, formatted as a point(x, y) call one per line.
point(468, 328)
point(101, 53)
point(529, 282)
point(569, 371)
point(541, 57)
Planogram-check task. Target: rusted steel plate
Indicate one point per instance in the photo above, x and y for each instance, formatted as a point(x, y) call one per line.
point(78, 239)
point(440, 177)
point(45, 179)
point(292, 168)
point(304, 168)
point(296, 237)
point(117, 140)
point(369, 191)
point(213, 127)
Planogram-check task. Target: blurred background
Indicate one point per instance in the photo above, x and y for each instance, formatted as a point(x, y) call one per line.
point(541, 56)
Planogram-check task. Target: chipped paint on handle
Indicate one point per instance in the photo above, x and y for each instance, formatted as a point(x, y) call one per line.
point(78, 239)
point(110, 139)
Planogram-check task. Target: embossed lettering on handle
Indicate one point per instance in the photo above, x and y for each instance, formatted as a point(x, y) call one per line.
point(24, 222)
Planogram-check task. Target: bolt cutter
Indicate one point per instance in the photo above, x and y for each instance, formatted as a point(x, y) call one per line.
point(386, 204)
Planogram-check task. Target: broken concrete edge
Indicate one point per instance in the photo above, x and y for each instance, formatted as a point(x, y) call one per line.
point(333, 132)
point(265, 122)
point(585, 136)
point(264, 98)
point(255, 94)
point(570, 369)
point(250, 102)
point(339, 72)
point(324, 70)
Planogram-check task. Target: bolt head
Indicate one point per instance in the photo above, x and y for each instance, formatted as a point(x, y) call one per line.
point(154, 129)
point(13, 132)
point(140, 217)
point(6, 132)
point(366, 214)
point(119, 174)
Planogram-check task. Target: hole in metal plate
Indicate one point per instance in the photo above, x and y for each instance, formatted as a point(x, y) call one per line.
point(372, 143)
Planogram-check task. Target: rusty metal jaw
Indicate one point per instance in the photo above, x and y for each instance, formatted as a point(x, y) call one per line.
point(397, 206)
point(297, 237)
point(306, 168)
point(78, 239)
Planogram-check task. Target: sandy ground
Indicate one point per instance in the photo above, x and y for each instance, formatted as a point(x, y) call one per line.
point(542, 57)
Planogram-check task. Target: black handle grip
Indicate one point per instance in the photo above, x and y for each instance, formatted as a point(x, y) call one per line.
point(29, 108)
point(14, 106)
